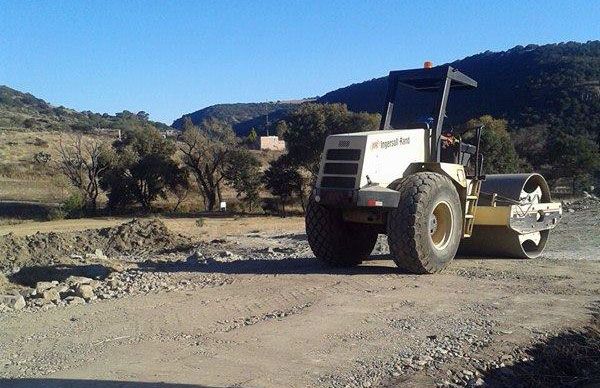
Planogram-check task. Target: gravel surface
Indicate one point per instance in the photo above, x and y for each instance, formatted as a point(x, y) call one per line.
point(255, 309)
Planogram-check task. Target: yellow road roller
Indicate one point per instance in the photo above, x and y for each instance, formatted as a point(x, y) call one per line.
point(422, 185)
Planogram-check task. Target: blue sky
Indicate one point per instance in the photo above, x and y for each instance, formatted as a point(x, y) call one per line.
point(173, 57)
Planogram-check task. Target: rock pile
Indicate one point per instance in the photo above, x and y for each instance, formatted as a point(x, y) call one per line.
point(99, 283)
point(139, 237)
point(74, 290)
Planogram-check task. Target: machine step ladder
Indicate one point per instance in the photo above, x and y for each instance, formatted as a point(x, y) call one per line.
point(473, 189)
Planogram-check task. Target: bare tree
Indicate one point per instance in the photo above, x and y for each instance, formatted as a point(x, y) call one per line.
point(82, 163)
point(205, 153)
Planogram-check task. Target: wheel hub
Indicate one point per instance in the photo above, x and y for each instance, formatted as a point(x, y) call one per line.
point(441, 225)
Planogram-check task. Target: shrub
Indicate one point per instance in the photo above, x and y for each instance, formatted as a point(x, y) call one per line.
point(74, 205)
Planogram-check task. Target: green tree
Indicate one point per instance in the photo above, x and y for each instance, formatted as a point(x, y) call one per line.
point(577, 157)
point(496, 146)
point(310, 124)
point(242, 172)
point(141, 169)
point(283, 180)
point(281, 128)
point(252, 137)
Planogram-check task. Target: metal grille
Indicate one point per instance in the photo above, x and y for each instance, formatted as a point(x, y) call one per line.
point(338, 182)
point(343, 154)
point(341, 168)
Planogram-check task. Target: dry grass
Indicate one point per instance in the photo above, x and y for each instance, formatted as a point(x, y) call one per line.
point(19, 147)
point(21, 179)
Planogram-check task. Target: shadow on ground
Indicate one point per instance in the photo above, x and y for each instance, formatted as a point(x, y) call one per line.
point(76, 383)
point(569, 359)
point(29, 276)
point(284, 266)
point(23, 210)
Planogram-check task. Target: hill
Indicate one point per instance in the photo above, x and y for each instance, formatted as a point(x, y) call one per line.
point(242, 116)
point(555, 84)
point(25, 112)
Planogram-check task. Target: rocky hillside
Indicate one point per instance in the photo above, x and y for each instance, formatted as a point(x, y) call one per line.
point(23, 111)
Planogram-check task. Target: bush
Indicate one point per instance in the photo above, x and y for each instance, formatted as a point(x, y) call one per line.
point(74, 205)
point(500, 156)
point(8, 170)
point(39, 142)
point(270, 205)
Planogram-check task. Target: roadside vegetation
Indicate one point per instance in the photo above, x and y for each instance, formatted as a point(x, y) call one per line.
point(540, 106)
point(140, 170)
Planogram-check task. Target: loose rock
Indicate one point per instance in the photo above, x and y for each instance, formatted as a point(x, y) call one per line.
point(74, 300)
point(42, 286)
point(15, 301)
point(51, 295)
point(85, 291)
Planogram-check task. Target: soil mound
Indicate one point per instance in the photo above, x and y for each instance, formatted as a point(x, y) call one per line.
point(136, 237)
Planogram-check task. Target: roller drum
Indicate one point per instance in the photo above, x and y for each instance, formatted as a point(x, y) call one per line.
point(514, 187)
point(502, 241)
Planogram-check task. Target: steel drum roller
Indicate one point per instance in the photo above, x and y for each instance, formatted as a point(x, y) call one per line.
point(520, 195)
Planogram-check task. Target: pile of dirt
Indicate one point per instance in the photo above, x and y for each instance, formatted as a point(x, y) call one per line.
point(137, 237)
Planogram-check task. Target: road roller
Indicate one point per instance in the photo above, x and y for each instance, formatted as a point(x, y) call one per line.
point(422, 184)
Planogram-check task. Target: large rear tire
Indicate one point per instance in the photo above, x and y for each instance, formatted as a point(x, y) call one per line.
point(337, 242)
point(424, 232)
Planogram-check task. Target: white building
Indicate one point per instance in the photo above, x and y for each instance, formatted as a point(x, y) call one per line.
point(271, 143)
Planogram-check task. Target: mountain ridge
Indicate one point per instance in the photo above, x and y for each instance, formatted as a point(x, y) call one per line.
point(527, 85)
point(554, 84)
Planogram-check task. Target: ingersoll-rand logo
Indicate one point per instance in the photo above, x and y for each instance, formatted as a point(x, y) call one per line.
point(384, 144)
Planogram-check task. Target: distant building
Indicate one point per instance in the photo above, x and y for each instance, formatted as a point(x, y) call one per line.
point(271, 143)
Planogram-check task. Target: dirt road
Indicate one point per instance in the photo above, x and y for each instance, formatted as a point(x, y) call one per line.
point(256, 310)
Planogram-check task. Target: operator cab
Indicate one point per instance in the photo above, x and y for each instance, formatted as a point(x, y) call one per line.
point(427, 92)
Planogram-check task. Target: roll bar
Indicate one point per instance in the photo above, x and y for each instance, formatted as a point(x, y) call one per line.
point(438, 79)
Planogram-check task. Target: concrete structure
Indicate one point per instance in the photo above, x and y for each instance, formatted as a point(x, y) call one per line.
point(271, 143)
